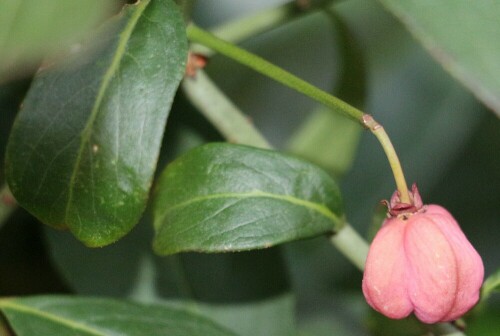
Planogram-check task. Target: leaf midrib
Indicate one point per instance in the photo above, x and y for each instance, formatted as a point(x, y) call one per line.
point(87, 131)
point(319, 208)
point(48, 316)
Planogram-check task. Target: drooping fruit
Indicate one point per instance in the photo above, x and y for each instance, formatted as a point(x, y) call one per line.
point(420, 261)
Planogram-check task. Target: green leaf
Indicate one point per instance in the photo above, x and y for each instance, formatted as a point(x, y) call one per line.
point(4, 327)
point(139, 274)
point(223, 197)
point(335, 312)
point(463, 36)
point(31, 29)
point(235, 278)
point(270, 317)
point(59, 315)
point(491, 285)
point(483, 323)
point(83, 149)
point(132, 259)
point(380, 325)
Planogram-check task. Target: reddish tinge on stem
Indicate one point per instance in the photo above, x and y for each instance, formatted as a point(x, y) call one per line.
point(194, 63)
point(398, 208)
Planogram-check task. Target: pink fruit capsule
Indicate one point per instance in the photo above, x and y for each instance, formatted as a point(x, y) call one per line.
point(420, 261)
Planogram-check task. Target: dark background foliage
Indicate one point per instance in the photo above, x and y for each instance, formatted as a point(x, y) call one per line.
point(447, 140)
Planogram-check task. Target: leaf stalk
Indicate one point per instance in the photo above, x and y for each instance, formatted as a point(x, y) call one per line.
point(346, 239)
point(392, 157)
point(232, 123)
point(260, 65)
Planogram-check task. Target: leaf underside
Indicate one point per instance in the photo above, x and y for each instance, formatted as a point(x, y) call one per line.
point(33, 29)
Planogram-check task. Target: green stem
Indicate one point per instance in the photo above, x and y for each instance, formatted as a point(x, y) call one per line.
point(352, 245)
point(242, 28)
point(221, 112)
point(7, 204)
point(224, 114)
point(198, 35)
point(236, 128)
point(390, 152)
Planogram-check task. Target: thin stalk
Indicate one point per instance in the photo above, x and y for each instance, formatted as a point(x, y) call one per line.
point(390, 152)
point(236, 128)
point(7, 204)
point(352, 245)
point(224, 114)
point(346, 240)
point(198, 35)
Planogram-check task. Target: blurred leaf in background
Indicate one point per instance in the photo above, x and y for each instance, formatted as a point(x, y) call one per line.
point(484, 323)
point(67, 315)
point(242, 291)
point(491, 285)
point(444, 136)
point(33, 29)
point(447, 141)
point(460, 34)
point(274, 316)
point(238, 290)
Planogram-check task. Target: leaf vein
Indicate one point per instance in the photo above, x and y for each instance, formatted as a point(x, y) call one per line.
point(114, 67)
point(51, 317)
point(319, 208)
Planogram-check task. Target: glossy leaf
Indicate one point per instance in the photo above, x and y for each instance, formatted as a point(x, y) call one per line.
point(59, 315)
point(463, 36)
point(137, 273)
point(223, 197)
point(83, 149)
point(32, 29)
